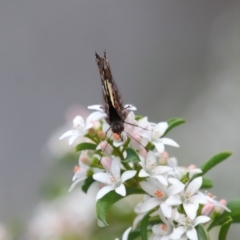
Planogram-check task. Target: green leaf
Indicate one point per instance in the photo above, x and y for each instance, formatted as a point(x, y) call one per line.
point(85, 146)
point(87, 183)
point(234, 206)
point(172, 123)
point(212, 162)
point(133, 234)
point(207, 183)
point(104, 204)
point(224, 229)
point(202, 233)
point(144, 226)
point(132, 156)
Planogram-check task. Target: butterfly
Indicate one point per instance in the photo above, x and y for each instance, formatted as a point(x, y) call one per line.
point(113, 106)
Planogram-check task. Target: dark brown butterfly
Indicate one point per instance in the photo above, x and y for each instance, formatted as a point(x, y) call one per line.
point(113, 106)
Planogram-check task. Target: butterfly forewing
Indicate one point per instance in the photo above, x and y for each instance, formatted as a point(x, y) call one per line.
point(113, 105)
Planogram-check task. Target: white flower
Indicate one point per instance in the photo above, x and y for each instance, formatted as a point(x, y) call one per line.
point(162, 231)
point(190, 198)
point(152, 169)
point(160, 194)
point(179, 172)
point(81, 127)
point(187, 226)
point(154, 136)
point(113, 180)
point(212, 204)
point(80, 173)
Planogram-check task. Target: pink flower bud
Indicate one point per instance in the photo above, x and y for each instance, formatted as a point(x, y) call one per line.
point(220, 209)
point(207, 209)
point(106, 162)
point(163, 159)
point(106, 147)
point(84, 158)
point(192, 166)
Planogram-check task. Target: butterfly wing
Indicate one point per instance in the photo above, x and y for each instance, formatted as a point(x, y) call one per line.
point(112, 99)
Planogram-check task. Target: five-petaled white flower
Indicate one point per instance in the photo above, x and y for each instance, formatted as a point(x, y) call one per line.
point(190, 198)
point(81, 127)
point(80, 172)
point(160, 194)
point(151, 168)
point(113, 180)
point(187, 227)
point(154, 136)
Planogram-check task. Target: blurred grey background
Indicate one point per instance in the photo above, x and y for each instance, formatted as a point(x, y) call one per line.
point(169, 58)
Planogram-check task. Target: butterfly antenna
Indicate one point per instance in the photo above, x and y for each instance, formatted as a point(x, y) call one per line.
point(132, 124)
point(136, 140)
point(105, 145)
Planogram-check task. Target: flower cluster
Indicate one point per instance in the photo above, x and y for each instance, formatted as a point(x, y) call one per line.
point(136, 162)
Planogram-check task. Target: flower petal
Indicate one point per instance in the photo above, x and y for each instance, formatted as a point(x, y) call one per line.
point(68, 134)
point(159, 146)
point(192, 234)
point(191, 209)
point(194, 185)
point(166, 209)
point(74, 137)
point(102, 177)
point(96, 107)
point(103, 191)
point(149, 204)
point(148, 188)
point(115, 168)
point(168, 141)
point(174, 200)
point(143, 173)
point(177, 233)
point(201, 219)
point(126, 233)
point(128, 174)
point(161, 127)
point(130, 107)
point(161, 179)
point(76, 182)
point(121, 190)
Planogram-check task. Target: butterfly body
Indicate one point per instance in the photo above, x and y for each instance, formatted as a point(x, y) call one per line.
point(113, 106)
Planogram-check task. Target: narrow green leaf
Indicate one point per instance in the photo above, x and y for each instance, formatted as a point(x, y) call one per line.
point(132, 156)
point(234, 206)
point(218, 158)
point(172, 123)
point(224, 229)
point(144, 226)
point(202, 233)
point(207, 183)
point(85, 146)
point(87, 183)
point(104, 204)
point(133, 234)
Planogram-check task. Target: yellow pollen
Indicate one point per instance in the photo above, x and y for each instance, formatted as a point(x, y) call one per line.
point(116, 136)
point(164, 227)
point(159, 194)
point(210, 195)
point(113, 179)
point(76, 168)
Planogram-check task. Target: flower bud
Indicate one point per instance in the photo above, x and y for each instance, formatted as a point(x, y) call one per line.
point(106, 162)
point(207, 209)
